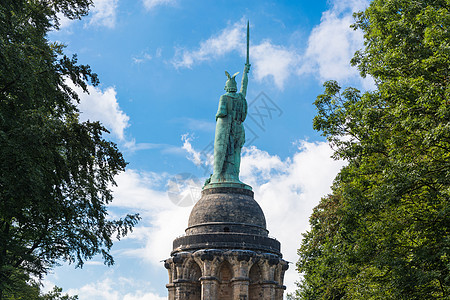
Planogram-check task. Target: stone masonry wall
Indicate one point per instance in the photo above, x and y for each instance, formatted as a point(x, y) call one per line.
point(225, 274)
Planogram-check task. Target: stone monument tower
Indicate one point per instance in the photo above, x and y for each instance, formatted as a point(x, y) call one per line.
point(226, 253)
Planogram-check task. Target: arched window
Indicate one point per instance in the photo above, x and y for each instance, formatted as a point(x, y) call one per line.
point(255, 290)
point(194, 274)
point(225, 275)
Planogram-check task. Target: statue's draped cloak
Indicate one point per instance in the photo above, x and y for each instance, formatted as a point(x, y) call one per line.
point(229, 137)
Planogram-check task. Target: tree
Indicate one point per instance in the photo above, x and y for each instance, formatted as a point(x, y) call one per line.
point(322, 257)
point(56, 171)
point(393, 219)
point(28, 289)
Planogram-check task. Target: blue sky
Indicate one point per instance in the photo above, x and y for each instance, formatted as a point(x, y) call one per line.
point(161, 65)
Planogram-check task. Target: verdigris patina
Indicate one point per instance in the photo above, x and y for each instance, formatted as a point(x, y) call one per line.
point(230, 134)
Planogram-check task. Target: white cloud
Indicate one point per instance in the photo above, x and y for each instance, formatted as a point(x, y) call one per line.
point(151, 4)
point(198, 158)
point(162, 219)
point(273, 61)
point(145, 56)
point(98, 290)
point(103, 13)
point(64, 22)
point(158, 52)
point(102, 105)
point(349, 6)
point(131, 146)
point(94, 263)
point(141, 58)
point(258, 166)
point(141, 190)
point(113, 290)
point(193, 155)
point(332, 43)
point(143, 296)
point(232, 38)
point(157, 235)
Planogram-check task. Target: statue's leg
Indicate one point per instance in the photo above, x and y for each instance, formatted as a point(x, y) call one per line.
point(237, 161)
point(237, 150)
point(219, 157)
point(220, 146)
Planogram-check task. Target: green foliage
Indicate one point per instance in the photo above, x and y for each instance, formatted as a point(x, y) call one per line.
point(56, 172)
point(56, 294)
point(24, 288)
point(322, 253)
point(385, 231)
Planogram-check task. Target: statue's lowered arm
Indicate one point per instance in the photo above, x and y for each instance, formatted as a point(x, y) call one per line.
point(222, 110)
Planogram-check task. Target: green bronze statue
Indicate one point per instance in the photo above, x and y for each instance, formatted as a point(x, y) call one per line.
point(230, 134)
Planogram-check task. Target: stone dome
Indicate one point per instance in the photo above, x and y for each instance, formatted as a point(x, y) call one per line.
point(227, 210)
point(226, 218)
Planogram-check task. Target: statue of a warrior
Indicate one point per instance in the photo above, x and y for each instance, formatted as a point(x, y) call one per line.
point(230, 135)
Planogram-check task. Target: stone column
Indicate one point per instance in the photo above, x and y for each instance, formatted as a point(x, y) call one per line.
point(269, 283)
point(183, 289)
point(280, 269)
point(240, 288)
point(169, 265)
point(279, 291)
point(210, 286)
point(269, 290)
point(241, 260)
point(209, 261)
point(171, 289)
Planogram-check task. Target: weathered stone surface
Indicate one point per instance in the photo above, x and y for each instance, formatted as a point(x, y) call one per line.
point(227, 210)
point(226, 241)
point(226, 274)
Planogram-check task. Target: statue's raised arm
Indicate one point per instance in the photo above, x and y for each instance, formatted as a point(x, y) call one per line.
point(244, 81)
point(247, 66)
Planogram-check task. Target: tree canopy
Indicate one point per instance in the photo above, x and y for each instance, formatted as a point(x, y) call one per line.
point(384, 232)
point(56, 171)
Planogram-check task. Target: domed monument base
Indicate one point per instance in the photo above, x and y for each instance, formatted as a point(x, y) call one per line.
point(226, 252)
